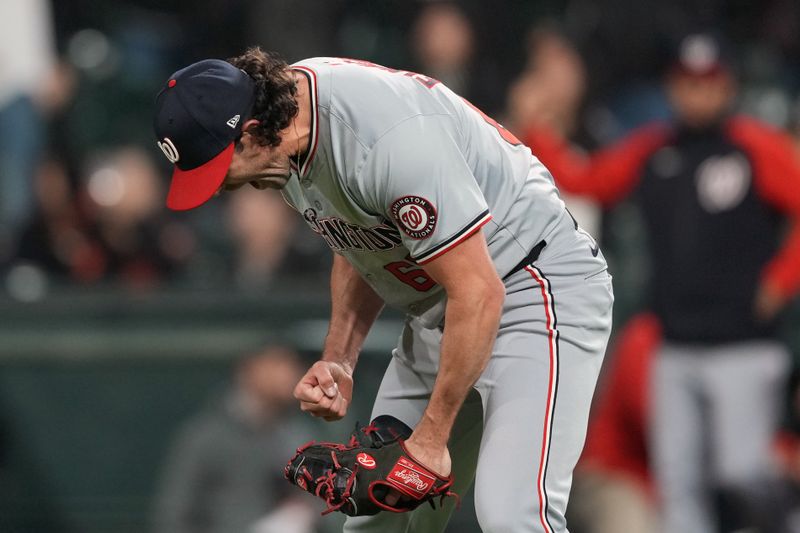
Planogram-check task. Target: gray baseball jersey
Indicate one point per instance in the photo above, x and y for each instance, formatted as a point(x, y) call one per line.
point(401, 170)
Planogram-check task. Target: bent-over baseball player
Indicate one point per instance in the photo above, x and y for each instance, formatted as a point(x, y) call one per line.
point(433, 208)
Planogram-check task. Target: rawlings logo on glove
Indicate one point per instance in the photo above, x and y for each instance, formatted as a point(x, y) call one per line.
point(404, 477)
point(356, 478)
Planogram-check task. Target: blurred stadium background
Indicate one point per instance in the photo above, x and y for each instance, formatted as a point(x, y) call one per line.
point(119, 320)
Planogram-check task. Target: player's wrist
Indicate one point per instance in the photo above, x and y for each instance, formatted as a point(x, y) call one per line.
point(341, 361)
point(429, 433)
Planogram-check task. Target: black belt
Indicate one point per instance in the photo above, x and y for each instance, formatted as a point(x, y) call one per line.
point(532, 256)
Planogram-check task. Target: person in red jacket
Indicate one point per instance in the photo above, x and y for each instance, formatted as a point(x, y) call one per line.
point(613, 489)
point(719, 195)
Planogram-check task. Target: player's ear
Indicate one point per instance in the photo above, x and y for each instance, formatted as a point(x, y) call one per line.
point(249, 123)
point(246, 137)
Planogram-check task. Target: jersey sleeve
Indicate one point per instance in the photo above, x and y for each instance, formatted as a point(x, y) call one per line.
point(777, 175)
point(607, 175)
point(417, 177)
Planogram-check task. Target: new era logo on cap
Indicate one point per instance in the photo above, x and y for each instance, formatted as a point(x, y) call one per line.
point(198, 118)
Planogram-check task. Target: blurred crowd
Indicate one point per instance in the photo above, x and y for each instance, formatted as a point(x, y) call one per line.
point(82, 188)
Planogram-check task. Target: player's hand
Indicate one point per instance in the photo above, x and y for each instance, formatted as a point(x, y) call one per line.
point(436, 458)
point(433, 457)
point(325, 390)
point(769, 302)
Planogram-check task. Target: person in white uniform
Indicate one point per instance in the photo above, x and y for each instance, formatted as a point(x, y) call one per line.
point(432, 208)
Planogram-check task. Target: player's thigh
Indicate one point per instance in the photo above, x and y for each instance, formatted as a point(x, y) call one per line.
point(403, 393)
point(538, 390)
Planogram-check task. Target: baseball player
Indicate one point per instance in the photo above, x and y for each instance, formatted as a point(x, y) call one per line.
point(433, 208)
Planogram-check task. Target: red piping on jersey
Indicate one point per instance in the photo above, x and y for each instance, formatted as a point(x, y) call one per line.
point(314, 118)
point(468, 233)
point(552, 337)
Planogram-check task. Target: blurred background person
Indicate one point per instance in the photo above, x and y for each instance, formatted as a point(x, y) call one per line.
point(550, 90)
point(613, 490)
point(27, 63)
point(136, 245)
point(269, 245)
point(262, 226)
point(108, 230)
point(443, 43)
point(551, 86)
point(55, 239)
point(715, 191)
point(224, 473)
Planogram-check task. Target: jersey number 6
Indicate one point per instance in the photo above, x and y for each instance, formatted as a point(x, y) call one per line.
point(411, 274)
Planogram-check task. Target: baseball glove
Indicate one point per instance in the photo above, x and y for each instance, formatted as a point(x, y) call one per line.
point(355, 478)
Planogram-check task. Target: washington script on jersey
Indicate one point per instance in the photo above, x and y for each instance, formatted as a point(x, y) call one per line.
point(341, 235)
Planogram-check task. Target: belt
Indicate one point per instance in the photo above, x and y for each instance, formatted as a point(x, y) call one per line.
point(532, 256)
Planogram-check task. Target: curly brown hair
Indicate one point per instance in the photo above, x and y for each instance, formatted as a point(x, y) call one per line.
point(275, 104)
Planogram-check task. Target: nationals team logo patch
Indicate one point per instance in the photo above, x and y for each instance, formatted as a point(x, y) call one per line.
point(415, 215)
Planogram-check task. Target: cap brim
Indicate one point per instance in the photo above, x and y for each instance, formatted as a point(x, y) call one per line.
point(712, 71)
point(192, 188)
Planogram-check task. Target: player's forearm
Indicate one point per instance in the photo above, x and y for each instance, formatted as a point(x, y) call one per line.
point(471, 328)
point(354, 308)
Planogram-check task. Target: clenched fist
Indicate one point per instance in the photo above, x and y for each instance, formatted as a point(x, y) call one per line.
point(325, 390)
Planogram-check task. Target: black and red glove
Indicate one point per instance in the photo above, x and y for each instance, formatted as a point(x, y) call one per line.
point(356, 478)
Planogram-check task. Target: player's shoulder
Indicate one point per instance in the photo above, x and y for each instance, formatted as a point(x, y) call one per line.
point(315, 63)
point(341, 77)
point(365, 100)
point(318, 68)
point(342, 69)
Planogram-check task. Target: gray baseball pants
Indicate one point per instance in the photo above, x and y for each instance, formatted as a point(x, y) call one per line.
point(715, 411)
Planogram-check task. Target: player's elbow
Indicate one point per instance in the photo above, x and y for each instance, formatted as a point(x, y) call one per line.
point(488, 296)
point(476, 293)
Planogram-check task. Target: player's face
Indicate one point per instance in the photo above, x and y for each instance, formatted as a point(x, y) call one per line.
point(700, 100)
point(261, 166)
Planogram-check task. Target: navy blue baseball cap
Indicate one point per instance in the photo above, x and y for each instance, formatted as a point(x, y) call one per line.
point(199, 116)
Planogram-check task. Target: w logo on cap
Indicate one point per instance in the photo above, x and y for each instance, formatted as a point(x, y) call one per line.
point(233, 121)
point(169, 150)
